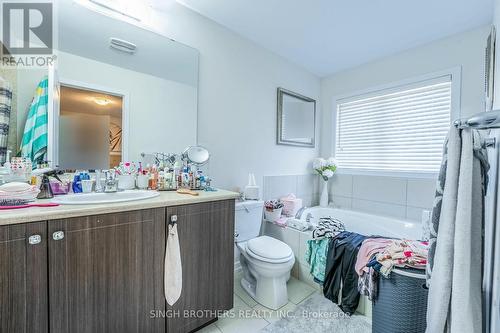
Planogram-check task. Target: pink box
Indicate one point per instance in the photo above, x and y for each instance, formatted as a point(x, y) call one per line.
point(291, 205)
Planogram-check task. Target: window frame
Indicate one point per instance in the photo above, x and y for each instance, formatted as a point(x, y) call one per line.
point(456, 96)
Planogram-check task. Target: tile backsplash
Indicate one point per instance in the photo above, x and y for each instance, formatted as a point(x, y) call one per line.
point(399, 197)
point(305, 187)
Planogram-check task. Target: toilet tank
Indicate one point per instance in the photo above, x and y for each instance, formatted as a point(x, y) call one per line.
point(248, 219)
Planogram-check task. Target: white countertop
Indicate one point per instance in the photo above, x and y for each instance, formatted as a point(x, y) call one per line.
point(165, 199)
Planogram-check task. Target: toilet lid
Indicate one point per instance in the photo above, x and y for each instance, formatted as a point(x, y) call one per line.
point(269, 248)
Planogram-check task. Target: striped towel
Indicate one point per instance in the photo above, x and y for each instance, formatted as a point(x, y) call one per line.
point(35, 136)
point(5, 107)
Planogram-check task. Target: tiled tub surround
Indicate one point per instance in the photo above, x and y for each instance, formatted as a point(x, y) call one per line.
point(398, 197)
point(305, 187)
point(355, 222)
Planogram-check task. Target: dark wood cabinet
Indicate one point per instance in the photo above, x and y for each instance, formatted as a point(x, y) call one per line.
point(23, 278)
point(206, 236)
point(106, 273)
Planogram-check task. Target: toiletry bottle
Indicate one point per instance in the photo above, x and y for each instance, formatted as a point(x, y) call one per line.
point(175, 179)
point(199, 174)
point(77, 184)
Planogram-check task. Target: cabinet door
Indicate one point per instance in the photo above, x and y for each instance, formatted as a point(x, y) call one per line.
point(206, 236)
point(106, 273)
point(23, 278)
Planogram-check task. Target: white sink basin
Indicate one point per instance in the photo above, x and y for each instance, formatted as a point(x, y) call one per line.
point(103, 198)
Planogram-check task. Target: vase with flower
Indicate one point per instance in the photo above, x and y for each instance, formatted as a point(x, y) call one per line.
point(326, 169)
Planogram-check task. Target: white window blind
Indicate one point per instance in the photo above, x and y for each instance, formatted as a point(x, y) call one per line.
point(398, 129)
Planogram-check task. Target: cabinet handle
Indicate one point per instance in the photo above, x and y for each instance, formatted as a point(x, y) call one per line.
point(58, 235)
point(35, 239)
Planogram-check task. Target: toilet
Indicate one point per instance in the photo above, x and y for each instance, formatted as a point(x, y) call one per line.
point(266, 262)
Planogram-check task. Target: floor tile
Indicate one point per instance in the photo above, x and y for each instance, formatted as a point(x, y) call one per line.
point(238, 290)
point(241, 319)
point(298, 290)
point(239, 304)
point(212, 328)
point(275, 315)
point(238, 325)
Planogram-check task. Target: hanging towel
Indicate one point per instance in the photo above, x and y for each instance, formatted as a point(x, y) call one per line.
point(315, 255)
point(173, 266)
point(5, 108)
point(35, 135)
point(454, 265)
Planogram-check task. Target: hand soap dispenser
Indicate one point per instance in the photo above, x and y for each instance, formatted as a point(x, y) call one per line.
point(251, 190)
point(45, 189)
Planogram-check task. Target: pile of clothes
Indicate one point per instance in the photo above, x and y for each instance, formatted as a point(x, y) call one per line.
point(381, 255)
point(348, 264)
point(317, 248)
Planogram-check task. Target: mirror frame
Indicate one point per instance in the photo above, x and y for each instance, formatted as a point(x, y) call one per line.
point(185, 155)
point(279, 138)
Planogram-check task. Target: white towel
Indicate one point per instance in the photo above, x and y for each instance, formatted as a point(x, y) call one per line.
point(173, 266)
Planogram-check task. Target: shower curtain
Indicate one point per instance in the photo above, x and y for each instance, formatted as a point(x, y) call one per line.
point(5, 108)
point(35, 135)
point(454, 269)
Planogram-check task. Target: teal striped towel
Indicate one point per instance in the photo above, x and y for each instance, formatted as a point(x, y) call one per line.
point(35, 135)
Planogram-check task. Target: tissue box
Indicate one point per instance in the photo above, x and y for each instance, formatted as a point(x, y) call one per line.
point(291, 205)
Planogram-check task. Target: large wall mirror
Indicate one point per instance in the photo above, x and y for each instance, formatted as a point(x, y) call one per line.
point(296, 119)
point(116, 90)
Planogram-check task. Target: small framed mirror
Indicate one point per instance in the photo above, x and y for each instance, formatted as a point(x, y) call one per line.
point(296, 119)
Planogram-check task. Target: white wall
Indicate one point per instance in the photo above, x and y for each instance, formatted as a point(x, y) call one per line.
point(162, 113)
point(237, 100)
point(465, 50)
point(401, 197)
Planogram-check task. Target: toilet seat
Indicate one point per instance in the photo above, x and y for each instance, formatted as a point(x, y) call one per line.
point(269, 250)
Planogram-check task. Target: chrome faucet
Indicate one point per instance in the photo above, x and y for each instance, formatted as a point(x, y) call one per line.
point(111, 183)
point(299, 213)
point(98, 182)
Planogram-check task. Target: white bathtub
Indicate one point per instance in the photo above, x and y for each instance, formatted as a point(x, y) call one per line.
point(364, 223)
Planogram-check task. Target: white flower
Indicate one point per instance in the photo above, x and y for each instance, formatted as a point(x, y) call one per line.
point(318, 163)
point(328, 173)
point(331, 162)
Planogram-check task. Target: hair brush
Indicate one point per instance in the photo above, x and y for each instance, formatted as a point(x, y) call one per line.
point(21, 203)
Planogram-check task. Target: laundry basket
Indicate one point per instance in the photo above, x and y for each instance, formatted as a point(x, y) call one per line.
point(401, 304)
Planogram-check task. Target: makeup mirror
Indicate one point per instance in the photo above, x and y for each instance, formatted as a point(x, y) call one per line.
point(196, 155)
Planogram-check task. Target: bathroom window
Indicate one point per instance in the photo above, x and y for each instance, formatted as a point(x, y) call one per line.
point(397, 129)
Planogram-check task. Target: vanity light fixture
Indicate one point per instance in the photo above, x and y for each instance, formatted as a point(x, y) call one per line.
point(101, 101)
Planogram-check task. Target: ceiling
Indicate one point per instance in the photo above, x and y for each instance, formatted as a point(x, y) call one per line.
point(327, 36)
point(74, 100)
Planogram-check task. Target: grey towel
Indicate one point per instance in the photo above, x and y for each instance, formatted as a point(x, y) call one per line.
point(454, 265)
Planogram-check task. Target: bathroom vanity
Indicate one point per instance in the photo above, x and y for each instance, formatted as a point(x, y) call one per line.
point(100, 268)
